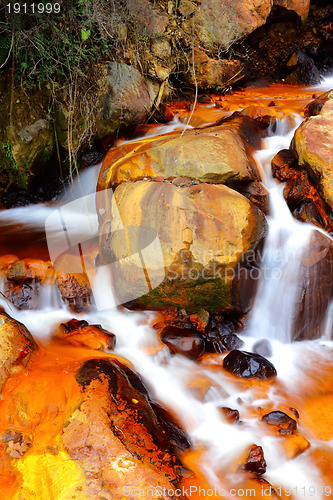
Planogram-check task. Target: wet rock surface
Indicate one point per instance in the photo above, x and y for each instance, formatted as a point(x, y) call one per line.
point(16, 346)
point(127, 386)
point(220, 336)
point(285, 424)
point(282, 164)
point(215, 154)
point(75, 290)
point(94, 336)
point(303, 192)
point(138, 438)
point(199, 250)
point(249, 365)
point(186, 341)
point(229, 414)
point(314, 289)
point(174, 187)
point(313, 144)
point(255, 462)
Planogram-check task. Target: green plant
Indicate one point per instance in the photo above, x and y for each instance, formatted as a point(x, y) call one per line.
point(61, 51)
point(8, 151)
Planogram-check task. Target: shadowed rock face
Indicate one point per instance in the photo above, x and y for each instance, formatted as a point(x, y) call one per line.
point(315, 288)
point(186, 341)
point(301, 7)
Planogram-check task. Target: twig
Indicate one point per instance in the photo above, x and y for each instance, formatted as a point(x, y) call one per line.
point(10, 50)
point(195, 82)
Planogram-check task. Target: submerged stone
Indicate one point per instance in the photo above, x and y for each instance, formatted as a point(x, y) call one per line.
point(263, 347)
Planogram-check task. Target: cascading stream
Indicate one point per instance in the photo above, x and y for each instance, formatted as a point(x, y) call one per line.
point(173, 378)
point(273, 311)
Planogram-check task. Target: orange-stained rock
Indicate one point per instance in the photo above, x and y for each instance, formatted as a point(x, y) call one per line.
point(205, 233)
point(75, 290)
point(284, 424)
point(217, 154)
point(257, 194)
point(315, 107)
point(230, 415)
point(28, 269)
point(93, 336)
point(212, 74)
point(261, 113)
point(71, 427)
point(313, 142)
point(283, 163)
point(255, 462)
point(114, 437)
point(16, 345)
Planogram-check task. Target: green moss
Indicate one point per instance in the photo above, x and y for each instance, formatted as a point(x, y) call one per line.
point(212, 295)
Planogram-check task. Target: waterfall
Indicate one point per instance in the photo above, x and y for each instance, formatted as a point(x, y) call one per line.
point(174, 379)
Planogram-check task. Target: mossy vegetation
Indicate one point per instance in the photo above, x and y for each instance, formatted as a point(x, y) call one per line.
point(50, 61)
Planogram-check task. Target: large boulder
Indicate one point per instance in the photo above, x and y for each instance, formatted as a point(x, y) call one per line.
point(95, 433)
point(223, 22)
point(205, 232)
point(313, 141)
point(217, 154)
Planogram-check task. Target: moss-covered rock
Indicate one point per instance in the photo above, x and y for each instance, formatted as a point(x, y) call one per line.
point(26, 135)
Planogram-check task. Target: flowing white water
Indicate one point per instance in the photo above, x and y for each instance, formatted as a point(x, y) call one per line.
point(173, 379)
point(276, 300)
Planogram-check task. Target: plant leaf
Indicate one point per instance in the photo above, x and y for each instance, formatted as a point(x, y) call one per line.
point(85, 34)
